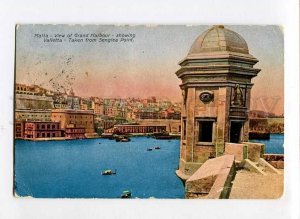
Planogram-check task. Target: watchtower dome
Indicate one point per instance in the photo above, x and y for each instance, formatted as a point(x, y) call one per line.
point(216, 83)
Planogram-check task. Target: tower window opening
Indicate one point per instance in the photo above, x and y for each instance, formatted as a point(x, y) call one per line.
point(205, 131)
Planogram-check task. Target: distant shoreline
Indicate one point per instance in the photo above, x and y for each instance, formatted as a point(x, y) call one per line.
point(99, 137)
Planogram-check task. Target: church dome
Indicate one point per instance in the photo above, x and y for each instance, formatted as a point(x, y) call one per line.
point(218, 39)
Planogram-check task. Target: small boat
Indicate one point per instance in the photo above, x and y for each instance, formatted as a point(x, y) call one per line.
point(157, 148)
point(122, 138)
point(126, 194)
point(125, 140)
point(149, 149)
point(109, 172)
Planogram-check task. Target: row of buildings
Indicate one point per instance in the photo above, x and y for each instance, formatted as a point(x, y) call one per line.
point(54, 124)
point(36, 97)
point(42, 113)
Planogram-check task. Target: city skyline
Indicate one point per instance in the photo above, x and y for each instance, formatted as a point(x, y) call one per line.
point(143, 68)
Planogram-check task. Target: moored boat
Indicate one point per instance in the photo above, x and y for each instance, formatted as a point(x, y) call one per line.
point(126, 194)
point(109, 172)
point(122, 138)
point(125, 140)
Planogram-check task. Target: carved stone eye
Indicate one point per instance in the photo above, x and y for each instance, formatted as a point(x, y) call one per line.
point(206, 96)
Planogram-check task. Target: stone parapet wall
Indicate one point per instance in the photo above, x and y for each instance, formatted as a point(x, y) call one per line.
point(222, 186)
point(235, 149)
point(212, 180)
point(245, 150)
point(255, 151)
point(203, 153)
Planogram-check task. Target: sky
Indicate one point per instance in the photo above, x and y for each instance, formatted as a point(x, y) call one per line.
point(142, 68)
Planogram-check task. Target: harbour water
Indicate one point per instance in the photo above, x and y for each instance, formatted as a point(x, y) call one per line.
point(72, 169)
point(274, 145)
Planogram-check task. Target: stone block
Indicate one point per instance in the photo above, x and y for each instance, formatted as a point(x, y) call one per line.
point(235, 149)
point(254, 151)
point(214, 174)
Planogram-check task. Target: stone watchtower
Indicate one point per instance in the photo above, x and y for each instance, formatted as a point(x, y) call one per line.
point(216, 83)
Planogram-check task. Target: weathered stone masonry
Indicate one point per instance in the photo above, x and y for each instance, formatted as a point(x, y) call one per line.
point(216, 83)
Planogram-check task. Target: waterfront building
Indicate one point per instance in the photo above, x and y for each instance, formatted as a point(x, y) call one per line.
point(33, 115)
point(137, 128)
point(73, 131)
point(216, 83)
point(36, 129)
point(80, 118)
point(19, 129)
point(25, 115)
point(172, 126)
point(108, 123)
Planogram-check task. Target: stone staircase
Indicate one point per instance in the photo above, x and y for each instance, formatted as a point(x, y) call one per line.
point(261, 166)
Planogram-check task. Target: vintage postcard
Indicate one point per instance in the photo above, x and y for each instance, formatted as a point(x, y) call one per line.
point(166, 111)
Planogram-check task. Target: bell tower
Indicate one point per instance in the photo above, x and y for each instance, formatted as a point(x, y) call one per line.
point(216, 83)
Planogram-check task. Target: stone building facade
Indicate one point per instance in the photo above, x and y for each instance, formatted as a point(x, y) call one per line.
point(79, 118)
point(33, 115)
point(19, 129)
point(29, 101)
point(35, 130)
point(74, 132)
point(137, 128)
point(216, 83)
point(172, 126)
